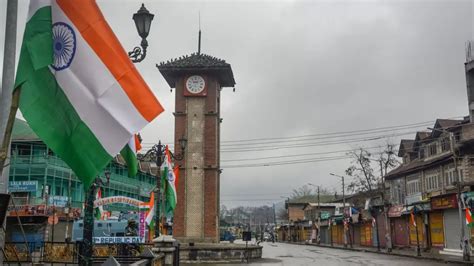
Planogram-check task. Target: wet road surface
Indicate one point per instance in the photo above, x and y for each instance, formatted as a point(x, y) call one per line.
point(302, 255)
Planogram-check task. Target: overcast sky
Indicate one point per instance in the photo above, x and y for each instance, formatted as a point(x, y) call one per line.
point(304, 68)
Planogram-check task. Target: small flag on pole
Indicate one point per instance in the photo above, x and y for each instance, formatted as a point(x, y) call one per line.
point(412, 218)
point(373, 222)
point(468, 217)
point(99, 211)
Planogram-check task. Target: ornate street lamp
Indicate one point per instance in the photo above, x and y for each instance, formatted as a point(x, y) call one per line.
point(157, 152)
point(88, 229)
point(142, 20)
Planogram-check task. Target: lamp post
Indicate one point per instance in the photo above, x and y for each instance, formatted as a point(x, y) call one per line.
point(343, 205)
point(158, 152)
point(88, 229)
point(142, 20)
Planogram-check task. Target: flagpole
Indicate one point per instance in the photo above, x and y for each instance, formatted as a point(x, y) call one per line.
point(8, 131)
point(8, 80)
point(418, 251)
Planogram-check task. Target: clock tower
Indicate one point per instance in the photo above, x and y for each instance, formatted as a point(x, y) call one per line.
point(198, 80)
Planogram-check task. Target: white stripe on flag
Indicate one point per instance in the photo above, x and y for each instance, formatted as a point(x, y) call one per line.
point(131, 144)
point(96, 96)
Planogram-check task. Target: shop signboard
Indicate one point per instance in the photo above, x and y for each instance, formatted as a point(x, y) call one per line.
point(325, 215)
point(141, 226)
point(413, 198)
point(445, 202)
point(23, 186)
point(58, 201)
point(395, 211)
point(117, 240)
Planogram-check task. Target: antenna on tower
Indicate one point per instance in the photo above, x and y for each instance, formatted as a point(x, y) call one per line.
point(199, 41)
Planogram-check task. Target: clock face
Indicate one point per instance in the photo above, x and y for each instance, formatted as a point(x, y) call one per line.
point(195, 84)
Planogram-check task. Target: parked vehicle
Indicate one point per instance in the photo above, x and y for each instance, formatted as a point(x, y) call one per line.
point(227, 236)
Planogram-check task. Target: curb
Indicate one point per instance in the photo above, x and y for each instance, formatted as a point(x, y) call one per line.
point(385, 253)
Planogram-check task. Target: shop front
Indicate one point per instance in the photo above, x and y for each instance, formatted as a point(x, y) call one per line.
point(418, 228)
point(324, 234)
point(398, 226)
point(337, 231)
point(366, 234)
point(436, 226)
point(449, 207)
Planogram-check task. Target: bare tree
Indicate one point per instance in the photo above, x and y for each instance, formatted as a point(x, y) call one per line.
point(362, 170)
point(362, 173)
point(302, 192)
point(387, 160)
point(282, 214)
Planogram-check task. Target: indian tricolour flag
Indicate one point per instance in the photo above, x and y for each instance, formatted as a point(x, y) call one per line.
point(169, 180)
point(129, 154)
point(151, 210)
point(99, 211)
point(80, 93)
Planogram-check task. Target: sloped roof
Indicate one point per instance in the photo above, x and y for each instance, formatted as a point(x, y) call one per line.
point(447, 123)
point(22, 132)
point(414, 166)
point(420, 137)
point(406, 145)
point(197, 63)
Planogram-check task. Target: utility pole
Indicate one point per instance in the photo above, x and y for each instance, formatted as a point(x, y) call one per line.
point(459, 184)
point(289, 231)
point(8, 79)
point(319, 219)
point(464, 243)
point(343, 205)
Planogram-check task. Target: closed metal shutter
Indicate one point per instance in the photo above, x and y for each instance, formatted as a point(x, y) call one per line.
point(399, 227)
point(324, 235)
point(452, 231)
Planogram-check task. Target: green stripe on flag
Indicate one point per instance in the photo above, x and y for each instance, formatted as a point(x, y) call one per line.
point(131, 160)
point(47, 109)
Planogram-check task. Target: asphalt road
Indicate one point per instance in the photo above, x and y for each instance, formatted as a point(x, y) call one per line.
point(302, 255)
point(299, 255)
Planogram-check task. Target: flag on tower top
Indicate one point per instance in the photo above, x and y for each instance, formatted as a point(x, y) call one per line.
point(80, 93)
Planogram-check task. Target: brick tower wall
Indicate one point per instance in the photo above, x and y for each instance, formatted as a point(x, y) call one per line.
point(198, 119)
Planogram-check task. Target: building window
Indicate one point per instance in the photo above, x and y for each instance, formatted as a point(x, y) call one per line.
point(422, 153)
point(413, 187)
point(450, 176)
point(431, 181)
point(432, 149)
point(445, 145)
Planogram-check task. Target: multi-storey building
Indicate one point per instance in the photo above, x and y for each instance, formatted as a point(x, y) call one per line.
point(433, 165)
point(42, 186)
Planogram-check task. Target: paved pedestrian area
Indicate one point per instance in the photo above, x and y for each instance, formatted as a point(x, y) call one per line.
point(302, 255)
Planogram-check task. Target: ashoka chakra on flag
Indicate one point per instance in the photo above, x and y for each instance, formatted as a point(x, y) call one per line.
point(64, 45)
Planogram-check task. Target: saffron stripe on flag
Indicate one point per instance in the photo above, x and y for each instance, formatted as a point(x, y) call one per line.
point(96, 95)
point(97, 33)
